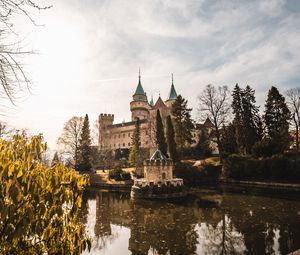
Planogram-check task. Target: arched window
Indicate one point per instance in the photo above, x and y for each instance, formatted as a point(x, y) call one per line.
point(163, 176)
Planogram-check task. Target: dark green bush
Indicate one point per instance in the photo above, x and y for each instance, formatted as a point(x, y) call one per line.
point(118, 174)
point(276, 168)
point(193, 175)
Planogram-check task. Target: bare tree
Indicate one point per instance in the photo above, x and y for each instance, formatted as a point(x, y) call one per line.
point(214, 103)
point(293, 100)
point(13, 78)
point(70, 138)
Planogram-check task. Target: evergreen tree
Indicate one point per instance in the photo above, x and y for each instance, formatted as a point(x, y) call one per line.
point(236, 106)
point(229, 141)
point(171, 140)
point(160, 134)
point(85, 153)
point(134, 153)
point(203, 145)
point(252, 123)
point(182, 122)
point(55, 159)
point(277, 116)
point(247, 121)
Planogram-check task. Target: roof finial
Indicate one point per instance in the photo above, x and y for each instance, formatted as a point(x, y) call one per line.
point(139, 75)
point(172, 79)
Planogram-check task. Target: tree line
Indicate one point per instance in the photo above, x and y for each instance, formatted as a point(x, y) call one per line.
point(238, 125)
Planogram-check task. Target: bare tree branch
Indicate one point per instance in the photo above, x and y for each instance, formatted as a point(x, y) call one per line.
point(214, 103)
point(293, 101)
point(13, 78)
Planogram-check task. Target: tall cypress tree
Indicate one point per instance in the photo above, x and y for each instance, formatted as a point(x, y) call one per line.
point(171, 140)
point(160, 134)
point(277, 116)
point(182, 122)
point(134, 153)
point(85, 154)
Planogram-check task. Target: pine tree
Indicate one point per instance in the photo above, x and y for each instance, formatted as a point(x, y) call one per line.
point(252, 124)
point(236, 106)
point(277, 116)
point(85, 154)
point(160, 134)
point(171, 140)
point(182, 122)
point(229, 141)
point(135, 151)
point(247, 121)
point(203, 145)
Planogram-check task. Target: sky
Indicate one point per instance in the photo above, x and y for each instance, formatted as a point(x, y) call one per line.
point(88, 54)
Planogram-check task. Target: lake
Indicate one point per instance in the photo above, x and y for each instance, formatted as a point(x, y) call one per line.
point(205, 222)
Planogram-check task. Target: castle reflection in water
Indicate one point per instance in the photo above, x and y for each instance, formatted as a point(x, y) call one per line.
point(232, 224)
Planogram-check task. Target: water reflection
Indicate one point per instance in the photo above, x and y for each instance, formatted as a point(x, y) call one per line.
point(231, 224)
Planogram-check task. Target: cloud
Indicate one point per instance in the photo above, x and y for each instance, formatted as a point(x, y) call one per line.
point(92, 49)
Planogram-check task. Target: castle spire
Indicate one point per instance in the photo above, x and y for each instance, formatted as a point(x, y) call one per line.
point(172, 93)
point(151, 101)
point(139, 89)
point(139, 75)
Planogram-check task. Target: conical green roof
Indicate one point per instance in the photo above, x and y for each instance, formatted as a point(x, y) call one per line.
point(158, 155)
point(139, 89)
point(172, 94)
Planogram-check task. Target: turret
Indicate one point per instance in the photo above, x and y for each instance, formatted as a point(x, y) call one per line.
point(172, 95)
point(104, 120)
point(139, 105)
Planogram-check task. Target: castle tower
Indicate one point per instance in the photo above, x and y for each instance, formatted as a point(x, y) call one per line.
point(139, 105)
point(105, 120)
point(172, 95)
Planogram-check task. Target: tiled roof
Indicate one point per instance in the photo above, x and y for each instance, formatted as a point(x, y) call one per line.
point(159, 104)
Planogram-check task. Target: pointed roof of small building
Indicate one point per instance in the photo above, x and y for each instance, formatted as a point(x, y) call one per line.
point(208, 123)
point(158, 155)
point(172, 93)
point(159, 104)
point(139, 89)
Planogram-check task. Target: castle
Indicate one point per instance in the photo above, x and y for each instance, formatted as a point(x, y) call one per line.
point(118, 136)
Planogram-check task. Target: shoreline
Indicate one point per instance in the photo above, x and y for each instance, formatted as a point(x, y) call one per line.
point(268, 188)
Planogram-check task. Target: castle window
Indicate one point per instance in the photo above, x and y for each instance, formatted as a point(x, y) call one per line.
point(146, 132)
point(146, 142)
point(128, 144)
point(123, 144)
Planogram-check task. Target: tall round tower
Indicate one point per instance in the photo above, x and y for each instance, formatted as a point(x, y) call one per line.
point(139, 105)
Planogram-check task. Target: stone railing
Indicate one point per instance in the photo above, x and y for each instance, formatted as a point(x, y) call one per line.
point(143, 183)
